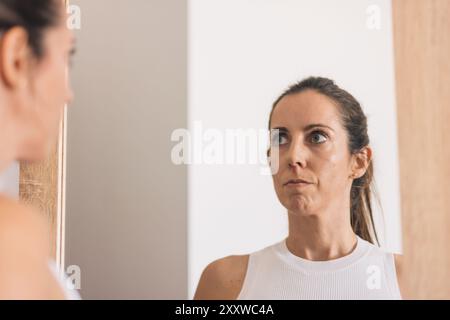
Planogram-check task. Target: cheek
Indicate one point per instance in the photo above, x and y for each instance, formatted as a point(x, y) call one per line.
point(278, 185)
point(50, 92)
point(328, 165)
point(331, 168)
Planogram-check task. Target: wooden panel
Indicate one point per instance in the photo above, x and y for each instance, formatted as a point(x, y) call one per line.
point(42, 185)
point(422, 54)
point(39, 188)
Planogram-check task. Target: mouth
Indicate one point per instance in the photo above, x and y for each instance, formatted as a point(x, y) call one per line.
point(297, 182)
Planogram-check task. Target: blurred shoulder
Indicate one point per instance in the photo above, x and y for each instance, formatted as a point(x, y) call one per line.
point(222, 279)
point(17, 220)
point(24, 254)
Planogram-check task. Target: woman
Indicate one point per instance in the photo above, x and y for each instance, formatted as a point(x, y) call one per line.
point(324, 177)
point(35, 46)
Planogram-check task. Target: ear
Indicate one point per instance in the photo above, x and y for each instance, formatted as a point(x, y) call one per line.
point(360, 162)
point(14, 57)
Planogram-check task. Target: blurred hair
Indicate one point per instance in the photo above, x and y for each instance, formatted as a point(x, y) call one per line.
point(35, 16)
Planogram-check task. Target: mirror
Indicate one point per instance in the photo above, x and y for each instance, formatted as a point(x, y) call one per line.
point(167, 136)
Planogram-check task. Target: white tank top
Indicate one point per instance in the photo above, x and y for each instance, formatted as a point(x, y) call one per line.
point(69, 293)
point(276, 273)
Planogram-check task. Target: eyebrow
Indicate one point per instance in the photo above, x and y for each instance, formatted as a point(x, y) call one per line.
point(308, 127)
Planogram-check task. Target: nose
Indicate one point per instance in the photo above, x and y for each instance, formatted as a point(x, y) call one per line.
point(296, 156)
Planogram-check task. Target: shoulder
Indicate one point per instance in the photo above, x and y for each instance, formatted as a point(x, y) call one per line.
point(24, 252)
point(393, 260)
point(394, 266)
point(21, 222)
point(395, 271)
point(398, 261)
point(223, 278)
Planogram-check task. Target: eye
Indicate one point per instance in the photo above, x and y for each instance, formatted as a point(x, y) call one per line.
point(278, 138)
point(318, 137)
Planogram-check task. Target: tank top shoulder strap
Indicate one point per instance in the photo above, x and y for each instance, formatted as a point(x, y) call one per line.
point(255, 261)
point(391, 274)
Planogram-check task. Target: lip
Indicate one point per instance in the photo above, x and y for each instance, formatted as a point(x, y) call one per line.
point(296, 183)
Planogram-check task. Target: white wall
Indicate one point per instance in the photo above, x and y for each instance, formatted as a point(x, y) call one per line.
point(9, 181)
point(242, 54)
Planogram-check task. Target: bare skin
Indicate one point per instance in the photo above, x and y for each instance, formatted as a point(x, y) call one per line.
point(33, 92)
point(25, 252)
point(312, 147)
point(222, 279)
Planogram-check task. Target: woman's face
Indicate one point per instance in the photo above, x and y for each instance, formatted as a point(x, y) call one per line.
point(313, 146)
point(47, 92)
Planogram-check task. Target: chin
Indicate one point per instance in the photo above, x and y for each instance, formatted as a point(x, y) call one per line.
point(300, 207)
point(37, 150)
point(301, 212)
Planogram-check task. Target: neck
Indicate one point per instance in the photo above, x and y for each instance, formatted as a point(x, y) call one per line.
point(326, 236)
point(8, 138)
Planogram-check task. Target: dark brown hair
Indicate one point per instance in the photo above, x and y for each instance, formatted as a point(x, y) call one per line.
point(355, 124)
point(35, 16)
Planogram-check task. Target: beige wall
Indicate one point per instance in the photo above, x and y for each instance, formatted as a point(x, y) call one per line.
point(126, 203)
